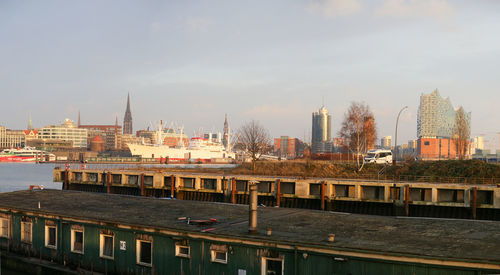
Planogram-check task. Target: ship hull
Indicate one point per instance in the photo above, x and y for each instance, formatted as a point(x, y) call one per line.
point(17, 159)
point(162, 151)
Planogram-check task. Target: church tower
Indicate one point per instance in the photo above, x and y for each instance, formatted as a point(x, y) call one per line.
point(127, 120)
point(225, 139)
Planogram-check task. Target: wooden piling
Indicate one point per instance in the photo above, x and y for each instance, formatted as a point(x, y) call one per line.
point(233, 190)
point(278, 192)
point(474, 202)
point(407, 200)
point(142, 184)
point(66, 180)
point(172, 186)
point(108, 177)
point(323, 195)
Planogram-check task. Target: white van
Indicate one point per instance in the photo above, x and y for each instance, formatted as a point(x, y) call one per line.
point(379, 156)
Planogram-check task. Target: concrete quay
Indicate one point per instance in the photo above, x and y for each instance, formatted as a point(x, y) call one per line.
point(441, 200)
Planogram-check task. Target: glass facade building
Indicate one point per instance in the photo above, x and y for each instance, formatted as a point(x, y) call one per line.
point(436, 116)
point(321, 131)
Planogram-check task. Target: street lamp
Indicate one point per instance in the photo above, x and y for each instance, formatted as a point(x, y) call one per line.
point(396, 138)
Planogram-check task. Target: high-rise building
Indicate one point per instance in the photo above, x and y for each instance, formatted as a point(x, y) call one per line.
point(127, 120)
point(477, 144)
point(435, 127)
point(386, 142)
point(436, 116)
point(321, 132)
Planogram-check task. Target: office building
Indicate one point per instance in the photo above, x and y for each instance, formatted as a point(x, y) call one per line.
point(386, 142)
point(321, 132)
point(287, 147)
point(11, 138)
point(66, 131)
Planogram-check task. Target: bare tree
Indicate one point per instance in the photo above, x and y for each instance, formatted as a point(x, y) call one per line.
point(358, 130)
point(255, 140)
point(461, 133)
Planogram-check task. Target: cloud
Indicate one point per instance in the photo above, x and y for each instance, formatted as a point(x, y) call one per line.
point(334, 8)
point(415, 8)
point(198, 24)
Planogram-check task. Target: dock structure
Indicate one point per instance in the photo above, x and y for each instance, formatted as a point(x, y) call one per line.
point(117, 234)
point(415, 199)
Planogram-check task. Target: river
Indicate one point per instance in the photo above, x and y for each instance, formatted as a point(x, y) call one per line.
point(19, 176)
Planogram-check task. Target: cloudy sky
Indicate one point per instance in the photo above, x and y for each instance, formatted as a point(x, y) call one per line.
point(273, 61)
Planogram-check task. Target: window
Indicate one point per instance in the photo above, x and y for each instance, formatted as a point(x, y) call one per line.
point(144, 252)
point(427, 143)
point(4, 228)
point(218, 256)
point(273, 266)
point(26, 231)
point(182, 250)
point(188, 182)
point(107, 246)
point(77, 240)
point(51, 236)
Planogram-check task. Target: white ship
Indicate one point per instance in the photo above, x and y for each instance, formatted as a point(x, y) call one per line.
point(198, 149)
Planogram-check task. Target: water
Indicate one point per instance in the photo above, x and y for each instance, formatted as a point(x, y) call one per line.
point(19, 176)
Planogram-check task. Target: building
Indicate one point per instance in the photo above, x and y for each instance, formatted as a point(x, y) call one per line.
point(97, 144)
point(50, 145)
point(477, 144)
point(11, 138)
point(386, 142)
point(288, 148)
point(321, 132)
point(111, 135)
point(66, 131)
point(127, 119)
point(435, 124)
point(131, 235)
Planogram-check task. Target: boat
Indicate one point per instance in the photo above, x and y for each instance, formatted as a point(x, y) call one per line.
point(199, 148)
point(26, 154)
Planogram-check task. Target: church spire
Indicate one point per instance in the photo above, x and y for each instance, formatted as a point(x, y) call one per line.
point(127, 120)
point(30, 126)
point(225, 139)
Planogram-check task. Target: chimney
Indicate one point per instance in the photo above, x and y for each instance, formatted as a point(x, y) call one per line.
point(252, 221)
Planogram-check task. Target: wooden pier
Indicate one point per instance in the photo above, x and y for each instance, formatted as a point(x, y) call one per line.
point(442, 200)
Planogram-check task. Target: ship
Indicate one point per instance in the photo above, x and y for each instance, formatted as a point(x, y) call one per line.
point(199, 148)
point(26, 154)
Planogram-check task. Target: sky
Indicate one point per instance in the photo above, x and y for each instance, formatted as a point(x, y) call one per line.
point(191, 62)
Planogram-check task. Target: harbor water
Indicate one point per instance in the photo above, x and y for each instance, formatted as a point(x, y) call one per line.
point(19, 176)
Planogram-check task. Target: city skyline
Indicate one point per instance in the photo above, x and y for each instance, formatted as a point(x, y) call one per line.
point(273, 62)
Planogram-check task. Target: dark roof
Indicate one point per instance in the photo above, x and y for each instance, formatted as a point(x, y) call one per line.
point(422, 237)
